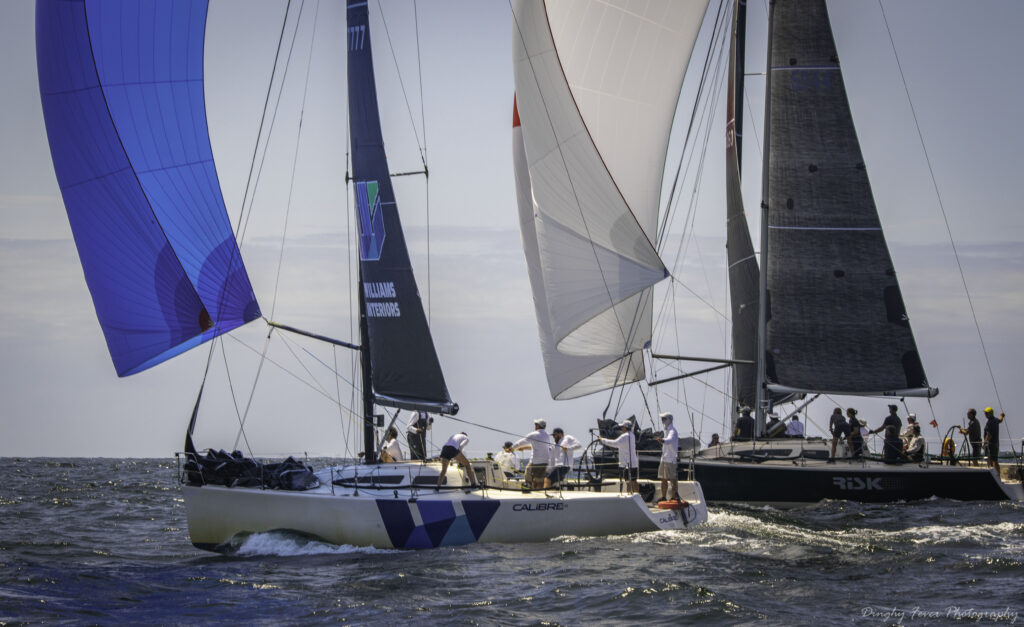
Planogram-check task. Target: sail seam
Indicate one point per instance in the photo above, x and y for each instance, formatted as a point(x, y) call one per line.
point(824, 228)
point(135, 176)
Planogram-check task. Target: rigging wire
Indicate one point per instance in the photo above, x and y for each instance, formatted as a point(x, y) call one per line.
point(405, 95)
point(942, 208)
point(423, 125)
point(686, 141)
point(295, 159)
point(247, 213)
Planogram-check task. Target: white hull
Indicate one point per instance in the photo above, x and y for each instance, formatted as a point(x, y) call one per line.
point(418, 517)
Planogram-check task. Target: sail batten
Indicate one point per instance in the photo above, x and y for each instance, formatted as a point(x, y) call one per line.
point(132, 156)
point(836, 319)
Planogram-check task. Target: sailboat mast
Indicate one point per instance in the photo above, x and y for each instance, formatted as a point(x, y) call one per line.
point(762, 306)
point(740, 43)
point(369, 443)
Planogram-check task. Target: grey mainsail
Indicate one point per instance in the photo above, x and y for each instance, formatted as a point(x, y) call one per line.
point(836, 321)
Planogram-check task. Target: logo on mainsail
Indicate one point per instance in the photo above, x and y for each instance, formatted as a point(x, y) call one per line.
point(371, 221)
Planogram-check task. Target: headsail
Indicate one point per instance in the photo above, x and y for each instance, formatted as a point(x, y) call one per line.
point(132, 154)
point(597, 85)
point(405, 369)
point(836, 319)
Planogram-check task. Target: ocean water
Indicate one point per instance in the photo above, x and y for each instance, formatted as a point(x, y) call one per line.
point(104, 541)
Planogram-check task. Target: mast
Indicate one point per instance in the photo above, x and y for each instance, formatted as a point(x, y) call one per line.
point(762, 306)
point(740, 44)
point(369, 443)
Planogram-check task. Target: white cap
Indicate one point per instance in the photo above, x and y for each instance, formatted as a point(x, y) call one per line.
point(773, 415)
point(666, 417)
point(540, 422)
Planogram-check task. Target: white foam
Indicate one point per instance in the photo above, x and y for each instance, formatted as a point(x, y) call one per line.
point(281, 544)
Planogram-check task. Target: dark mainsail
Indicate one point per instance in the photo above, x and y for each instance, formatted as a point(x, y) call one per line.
point(405, 371)
point(836, 320)
point(743, 270)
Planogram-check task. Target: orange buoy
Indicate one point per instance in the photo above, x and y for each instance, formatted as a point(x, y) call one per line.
point(673, 504)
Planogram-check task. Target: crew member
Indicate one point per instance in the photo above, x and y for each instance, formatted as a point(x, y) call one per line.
point(892, 446)
point(452, 451)
point(992, 437)
point(392, 450)
point(561, 457)
point(416, 434)
point(508, 463)
point(908, 432)
point(914, 449)
point(668, 470)
point(744, 426)
point(629, 463)
point(539, 443)
point(973, 433)
point(795, 428)
point(840, 430)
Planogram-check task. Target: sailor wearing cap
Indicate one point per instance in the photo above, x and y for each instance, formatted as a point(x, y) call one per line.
point(668, 469)
point(629, 463)
point(744, 425)
point(908, 432)
point(508, 463)
point(539, 443)
point(992, 437)
point(892, 447)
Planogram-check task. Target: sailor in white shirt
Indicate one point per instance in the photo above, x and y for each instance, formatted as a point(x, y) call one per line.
point(539, 443)
point(795, 428)
point(391, 451)
point(452, 450)
point(629, 463)
point(561, 458)
point(668, 469)
point(416, 434)
point(508, 463)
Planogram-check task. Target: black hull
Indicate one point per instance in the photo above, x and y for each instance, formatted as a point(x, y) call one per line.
point(804, 483)
point(873, 483)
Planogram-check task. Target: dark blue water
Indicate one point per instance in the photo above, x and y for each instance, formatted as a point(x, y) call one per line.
point(102, 541)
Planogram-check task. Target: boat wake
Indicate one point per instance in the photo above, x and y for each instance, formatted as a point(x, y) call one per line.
point(289, 544)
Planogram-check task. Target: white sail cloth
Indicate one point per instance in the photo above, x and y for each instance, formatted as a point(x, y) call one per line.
point(597, 84)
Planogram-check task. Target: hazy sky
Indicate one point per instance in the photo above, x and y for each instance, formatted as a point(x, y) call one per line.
point(59, 390)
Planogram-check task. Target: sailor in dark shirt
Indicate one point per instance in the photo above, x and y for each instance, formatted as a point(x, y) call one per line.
point(855, 439)
point(992, 437)
point(973, 433)
point(840, 430)
point(892, 447)
point(744, 426)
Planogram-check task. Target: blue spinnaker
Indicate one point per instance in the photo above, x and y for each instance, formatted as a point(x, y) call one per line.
point(122, 93)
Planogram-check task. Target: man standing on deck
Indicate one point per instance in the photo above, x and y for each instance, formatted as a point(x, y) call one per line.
point(668, 469)
point(892, 446)
point(629, 463)
point(973, 433)
point(744, 426)
point(992, 437)
point(539, 443)
point(561, 457)
point(840, 430)
point(416, 434)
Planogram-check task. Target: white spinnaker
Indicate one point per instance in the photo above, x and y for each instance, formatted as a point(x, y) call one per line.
point(569, 376)
point(597, 83)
